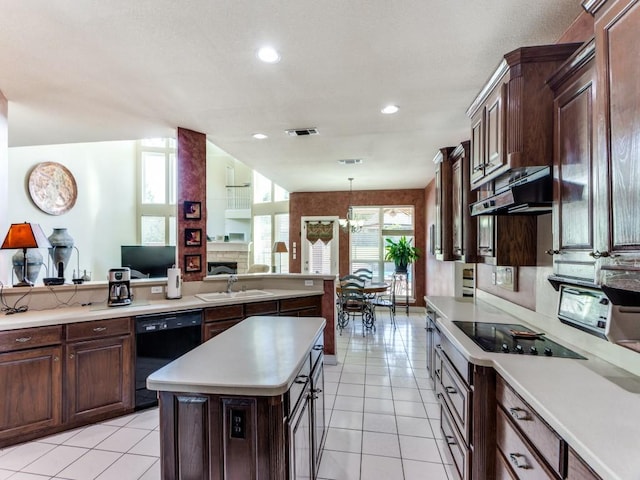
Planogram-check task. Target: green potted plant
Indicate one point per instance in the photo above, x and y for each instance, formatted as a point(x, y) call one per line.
point(402, 253)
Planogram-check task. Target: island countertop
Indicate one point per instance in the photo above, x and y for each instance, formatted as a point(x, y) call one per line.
point(259, 357)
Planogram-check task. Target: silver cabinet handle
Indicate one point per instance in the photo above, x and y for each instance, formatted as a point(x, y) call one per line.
point(450, 390)
point(598, 254)
point(56, 358)
point(71, 355)
point(99, 329)
point(451, 440)
point(318, 347)
point(301, 379)
point(519, 460)
point(23, 339)
point(519, 414)
point(552, 252)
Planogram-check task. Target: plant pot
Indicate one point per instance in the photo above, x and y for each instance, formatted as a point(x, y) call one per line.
point(401, 268)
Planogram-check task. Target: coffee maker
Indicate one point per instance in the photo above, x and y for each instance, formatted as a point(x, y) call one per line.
point(119, 287)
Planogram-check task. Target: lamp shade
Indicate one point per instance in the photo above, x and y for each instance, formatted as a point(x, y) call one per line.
point(280, 247)
point(25, 235)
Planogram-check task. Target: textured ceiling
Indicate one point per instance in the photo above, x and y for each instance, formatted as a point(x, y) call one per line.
point(121, 69)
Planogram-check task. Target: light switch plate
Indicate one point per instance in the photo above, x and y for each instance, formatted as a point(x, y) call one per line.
point(507, 278)
point(308, 283)
point(157, 289)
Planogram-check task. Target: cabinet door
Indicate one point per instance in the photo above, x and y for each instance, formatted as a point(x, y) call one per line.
point(577, 469)
point(300, 460)
point(617, 33)
point(457, 226)
point(477, 148)
point(573, 221)
point(99, 380)
point(31, 382)
point(494, 130)
point(319, 420)
point(437, 239)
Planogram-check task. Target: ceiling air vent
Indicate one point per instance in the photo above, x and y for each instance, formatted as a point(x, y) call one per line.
point(299, 132)
point(350, 161)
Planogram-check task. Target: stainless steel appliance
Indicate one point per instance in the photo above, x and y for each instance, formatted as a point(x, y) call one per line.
point(160, 339)
point(585, 308)
point(119, 287)
point(513, 338)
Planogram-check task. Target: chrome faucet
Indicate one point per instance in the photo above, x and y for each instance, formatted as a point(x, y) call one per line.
point(230, 281)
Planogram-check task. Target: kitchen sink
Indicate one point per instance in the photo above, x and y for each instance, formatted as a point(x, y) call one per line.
point(222, 296)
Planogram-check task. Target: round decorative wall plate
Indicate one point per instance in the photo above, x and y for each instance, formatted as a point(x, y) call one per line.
point(52, 188)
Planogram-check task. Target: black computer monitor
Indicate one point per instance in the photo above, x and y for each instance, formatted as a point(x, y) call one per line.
point(150, 260)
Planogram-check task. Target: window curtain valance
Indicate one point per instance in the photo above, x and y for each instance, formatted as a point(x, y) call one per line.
point(320, 231)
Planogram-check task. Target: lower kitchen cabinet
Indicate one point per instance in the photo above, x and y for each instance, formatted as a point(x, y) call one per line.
point(98, 379)
point(31, 382)
point(577, 469)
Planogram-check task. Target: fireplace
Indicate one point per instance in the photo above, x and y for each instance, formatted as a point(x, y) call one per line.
point(217, 268)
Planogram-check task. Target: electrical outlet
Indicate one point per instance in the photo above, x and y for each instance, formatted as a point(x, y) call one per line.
point(308, 283)
point(156, 289)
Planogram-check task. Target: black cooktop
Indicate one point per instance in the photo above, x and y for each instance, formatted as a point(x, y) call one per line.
point(513, 338)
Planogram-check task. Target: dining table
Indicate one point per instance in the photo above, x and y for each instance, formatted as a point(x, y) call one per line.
point(370, 290)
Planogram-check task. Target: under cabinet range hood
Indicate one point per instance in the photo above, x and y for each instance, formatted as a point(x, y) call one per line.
point(522, 191)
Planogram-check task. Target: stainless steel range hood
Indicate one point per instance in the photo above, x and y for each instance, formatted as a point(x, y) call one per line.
point(523, 191)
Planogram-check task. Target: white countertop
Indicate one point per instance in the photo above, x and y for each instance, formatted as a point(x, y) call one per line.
point(100, 310)
point(259, 357)
point(599, 419)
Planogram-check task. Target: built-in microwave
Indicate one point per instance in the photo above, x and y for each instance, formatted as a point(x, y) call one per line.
point(585, 308)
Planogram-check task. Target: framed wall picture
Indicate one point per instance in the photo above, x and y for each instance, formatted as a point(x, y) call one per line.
point(192, 210)
point(192, 237)
point(193, 263)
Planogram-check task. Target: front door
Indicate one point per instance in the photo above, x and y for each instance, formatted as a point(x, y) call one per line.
point(319, 255)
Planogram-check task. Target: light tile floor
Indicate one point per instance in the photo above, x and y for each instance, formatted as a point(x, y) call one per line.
point(381, 412)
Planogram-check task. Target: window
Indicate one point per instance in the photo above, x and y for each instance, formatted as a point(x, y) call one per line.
point(261, 188)
point(367, 245)
point(157, 191)
point(282, 235)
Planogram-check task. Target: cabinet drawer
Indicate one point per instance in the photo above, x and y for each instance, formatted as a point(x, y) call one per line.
point(260, 308)
point(538, 433)
point(289, 304)
point(223, 313)
point(456, 359)
point(30, 337)
point(212, 329)
point(503, 471)
point(98, 329)
point(456, 395)
point(455, 448)
point(526, 464)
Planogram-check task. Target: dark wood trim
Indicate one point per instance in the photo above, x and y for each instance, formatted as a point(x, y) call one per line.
point(573, 65)
point(483, 430)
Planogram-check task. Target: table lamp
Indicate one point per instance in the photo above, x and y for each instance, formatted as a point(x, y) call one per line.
point(280, 248)
point(25, 235)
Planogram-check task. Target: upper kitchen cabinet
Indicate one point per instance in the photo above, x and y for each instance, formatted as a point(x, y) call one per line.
point(463, 225)
point(511, 121)
point(442, 244)
point(617, 125)
point(573, 167)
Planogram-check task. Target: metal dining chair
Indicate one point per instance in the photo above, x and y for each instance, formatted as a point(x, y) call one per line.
point(353, 303)
point(387, 300)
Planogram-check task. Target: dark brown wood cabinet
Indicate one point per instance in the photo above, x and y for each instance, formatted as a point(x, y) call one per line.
point(219, 319)
point(574, 171)
point(463, 225)
point(99, 370)
point(31, 381)
point(617, 123)
point(511, 121)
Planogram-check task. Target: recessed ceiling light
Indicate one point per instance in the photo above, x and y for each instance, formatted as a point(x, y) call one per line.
point(390, 109)
point(269, 55)
point(259, 136)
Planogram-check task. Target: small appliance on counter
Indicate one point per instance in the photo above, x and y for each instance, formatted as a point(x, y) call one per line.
point(119, 287)
point(174, 283)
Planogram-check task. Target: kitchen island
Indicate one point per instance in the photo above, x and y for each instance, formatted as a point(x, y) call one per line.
point(245, 404)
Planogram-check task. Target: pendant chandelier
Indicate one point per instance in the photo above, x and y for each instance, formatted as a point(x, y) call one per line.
point(351, 223)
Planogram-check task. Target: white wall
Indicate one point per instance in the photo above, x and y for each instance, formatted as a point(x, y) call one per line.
point(104, 216)
point(5, 265)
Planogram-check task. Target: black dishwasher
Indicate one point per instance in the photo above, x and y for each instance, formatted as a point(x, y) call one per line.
point(160, 339)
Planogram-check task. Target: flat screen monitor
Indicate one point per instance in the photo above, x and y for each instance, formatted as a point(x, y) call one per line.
point(149, 260)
